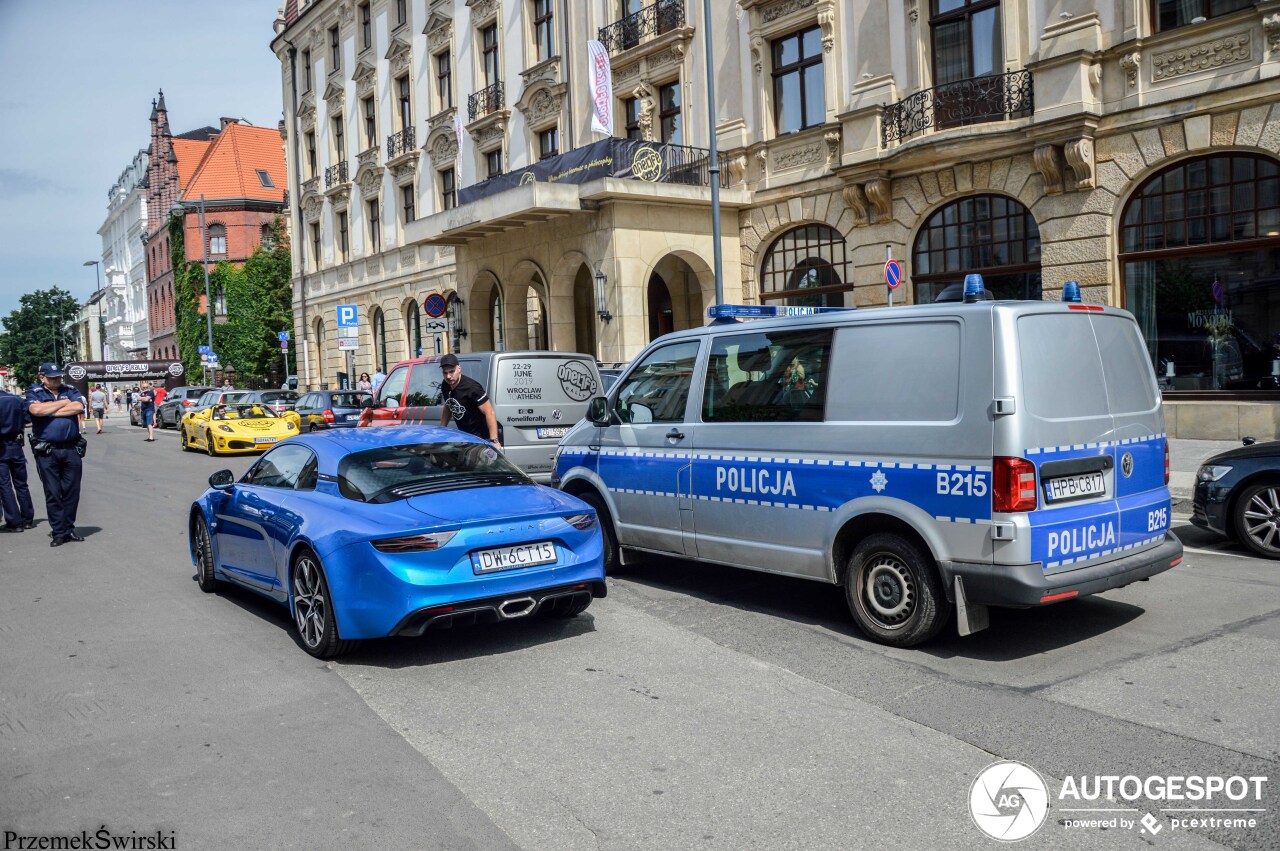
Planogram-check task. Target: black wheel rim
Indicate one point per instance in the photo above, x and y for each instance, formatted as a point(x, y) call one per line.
point(1261, 517)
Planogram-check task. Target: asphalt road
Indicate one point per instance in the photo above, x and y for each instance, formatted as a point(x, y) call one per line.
point(696, 706)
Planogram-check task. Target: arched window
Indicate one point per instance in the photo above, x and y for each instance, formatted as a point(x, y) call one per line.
point(1200, 261)
point(267, 238)
point(812, 259)
point(989, 234)
point(495, 317)
point(380, 339)
point(217, 239)
point(413, 321)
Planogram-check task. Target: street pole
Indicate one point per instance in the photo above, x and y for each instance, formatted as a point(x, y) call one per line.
point(204, 261)
point(714, 170)
point(97, 276)
point(53, 321)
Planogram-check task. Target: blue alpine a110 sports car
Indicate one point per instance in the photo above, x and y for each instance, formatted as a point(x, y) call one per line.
point(365, 533)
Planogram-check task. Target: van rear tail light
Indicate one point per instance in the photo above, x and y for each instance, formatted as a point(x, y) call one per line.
point(581, 521)
point(414, 543)
point(1166, 462)
point(328, 416)
point(1014, 485)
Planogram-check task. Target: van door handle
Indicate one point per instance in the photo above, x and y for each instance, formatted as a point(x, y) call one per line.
point(675, 434)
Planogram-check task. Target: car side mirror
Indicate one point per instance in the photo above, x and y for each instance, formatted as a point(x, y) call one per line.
point(223, 480)
point(1249, 441)
point(598, 411)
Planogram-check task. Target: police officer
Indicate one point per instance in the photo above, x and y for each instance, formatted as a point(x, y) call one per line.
point(15, 497)
point(55, 432)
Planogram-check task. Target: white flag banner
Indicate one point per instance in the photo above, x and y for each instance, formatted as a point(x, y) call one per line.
point(601, 88)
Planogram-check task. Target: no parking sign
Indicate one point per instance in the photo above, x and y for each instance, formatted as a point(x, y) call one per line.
point(892, 273)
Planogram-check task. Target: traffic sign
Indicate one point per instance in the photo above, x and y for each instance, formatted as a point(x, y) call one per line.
point(204, 358)
point(213, 358)
point(347, 316)
point(204, 350)
point(434, 325)
point(893, 274)
point(284, 344)
point(348, 344)
point(283, 336)
point(435, 306)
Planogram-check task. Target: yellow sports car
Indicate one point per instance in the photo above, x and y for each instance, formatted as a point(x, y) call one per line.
point(235, 428)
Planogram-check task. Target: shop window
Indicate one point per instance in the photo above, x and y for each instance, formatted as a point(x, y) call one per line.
point(992, 235)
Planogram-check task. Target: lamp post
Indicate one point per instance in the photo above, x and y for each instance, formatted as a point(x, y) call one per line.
point(601, 310)
point(97, 277)
point(53, 322)
point(457, 326)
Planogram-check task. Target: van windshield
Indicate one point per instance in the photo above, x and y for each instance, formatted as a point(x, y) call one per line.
point(392, 473)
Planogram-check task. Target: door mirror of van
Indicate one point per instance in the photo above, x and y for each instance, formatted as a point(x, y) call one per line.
point(598, 411)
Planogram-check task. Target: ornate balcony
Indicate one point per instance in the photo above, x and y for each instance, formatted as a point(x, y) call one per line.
point(663, 16)
point(997, 97)
point(400, 143)
point(336, 174)
point(487, 100)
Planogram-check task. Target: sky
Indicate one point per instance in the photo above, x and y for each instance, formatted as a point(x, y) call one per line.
point(79, 79)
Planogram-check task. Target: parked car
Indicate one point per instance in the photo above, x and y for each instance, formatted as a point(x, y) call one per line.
point(235, 428)
point(278, 400)
point(219, 396)
point(1238, 495)
point(178, 402)
point(330, 409)
point(394, 531)
point(537, 396)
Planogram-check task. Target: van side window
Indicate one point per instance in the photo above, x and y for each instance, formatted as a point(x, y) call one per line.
point(393, 387)
point(424, 386)
point(771, 376)
point(657, 390)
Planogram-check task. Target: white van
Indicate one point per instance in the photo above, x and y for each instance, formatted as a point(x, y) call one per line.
point(925, 458)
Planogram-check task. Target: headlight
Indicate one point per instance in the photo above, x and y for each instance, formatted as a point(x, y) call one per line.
point(1211, 473)
point(226, 428)
point(290, 425)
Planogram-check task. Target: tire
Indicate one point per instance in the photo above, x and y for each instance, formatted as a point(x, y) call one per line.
point(1257, 518)
point(203, 545)
point(312, 428)
point(893, 591)
point(208, 444)
point(312, 609)
point(611, 560)
point(182, 438)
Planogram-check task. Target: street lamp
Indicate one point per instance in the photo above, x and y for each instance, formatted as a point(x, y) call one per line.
point(457, 322)
point(97, 276)
point(54, 319)
point(601, 310)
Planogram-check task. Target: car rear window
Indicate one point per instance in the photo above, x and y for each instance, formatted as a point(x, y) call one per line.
point(196, 392)
point(392, 473)
point(280, 396)
point(1084, 366)
point(346, 400)
point(229, 398)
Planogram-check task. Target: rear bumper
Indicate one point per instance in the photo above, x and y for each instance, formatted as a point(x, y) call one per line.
point(1025, 585)
point(494, 609)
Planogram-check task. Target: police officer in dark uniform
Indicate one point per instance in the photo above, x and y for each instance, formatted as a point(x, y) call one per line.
point(55, 412)
point(15, 497)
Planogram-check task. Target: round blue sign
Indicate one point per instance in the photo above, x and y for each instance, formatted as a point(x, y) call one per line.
point(893, 274)
point(435, 305)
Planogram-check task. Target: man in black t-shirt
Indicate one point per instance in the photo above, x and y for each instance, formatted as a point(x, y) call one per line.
point(466, 403)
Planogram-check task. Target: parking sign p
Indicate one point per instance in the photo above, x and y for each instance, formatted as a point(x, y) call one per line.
point(347, 315)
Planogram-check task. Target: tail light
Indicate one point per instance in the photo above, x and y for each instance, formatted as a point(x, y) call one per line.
point(187, 403)
point(1014, 485)
point(414, 543)
point(1166, 462)
point(328, 416)
point(581, 521)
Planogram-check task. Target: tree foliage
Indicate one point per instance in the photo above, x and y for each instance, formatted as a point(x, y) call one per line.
point(28, 337)
point(259, 300)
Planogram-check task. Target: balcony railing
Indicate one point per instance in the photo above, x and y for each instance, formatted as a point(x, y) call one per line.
point(400, 143)
point(998, 97)
point(686, 165)
point(485, 101)
point(335, 174)
point(661, 17)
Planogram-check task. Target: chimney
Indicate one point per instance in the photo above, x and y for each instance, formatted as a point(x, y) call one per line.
point(225, 121)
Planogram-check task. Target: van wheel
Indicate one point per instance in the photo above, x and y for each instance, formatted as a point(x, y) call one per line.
point(1257, 519)
point(893, 591)
point(611, 560)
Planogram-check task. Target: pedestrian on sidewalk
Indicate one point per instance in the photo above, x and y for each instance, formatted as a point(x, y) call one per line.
point(15, 496)
point(119, 400)
point(147, 407)
point(378, 377)
point(98, 402)
point(54, 409)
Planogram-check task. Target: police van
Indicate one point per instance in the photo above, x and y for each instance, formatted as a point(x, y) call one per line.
point(929, 459)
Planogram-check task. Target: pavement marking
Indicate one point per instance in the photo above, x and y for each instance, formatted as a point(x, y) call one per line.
point(1187, 549)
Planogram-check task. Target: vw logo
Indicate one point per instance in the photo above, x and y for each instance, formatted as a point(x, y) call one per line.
point(555, 415)
point(1126, 464)
point(1008, 801)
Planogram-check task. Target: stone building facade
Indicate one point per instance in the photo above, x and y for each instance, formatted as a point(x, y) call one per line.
point(1129, 145)
point(124, 271)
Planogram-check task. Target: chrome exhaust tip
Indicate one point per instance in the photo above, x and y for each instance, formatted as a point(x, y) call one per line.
point(516, 608)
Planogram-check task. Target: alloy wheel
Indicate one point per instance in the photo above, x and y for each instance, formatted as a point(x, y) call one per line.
point(309, 602)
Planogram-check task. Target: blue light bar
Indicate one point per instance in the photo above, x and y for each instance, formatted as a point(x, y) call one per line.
point(766, 311)
point(1071, 291)
point(973, 287)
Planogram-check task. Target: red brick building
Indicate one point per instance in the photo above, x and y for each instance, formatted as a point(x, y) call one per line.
point(240, 171)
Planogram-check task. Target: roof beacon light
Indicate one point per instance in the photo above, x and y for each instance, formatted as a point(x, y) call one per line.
point(973, 288)
point(1071, 291)
point(766, 311)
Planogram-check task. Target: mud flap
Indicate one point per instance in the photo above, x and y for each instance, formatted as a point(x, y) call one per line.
point(969, 618)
